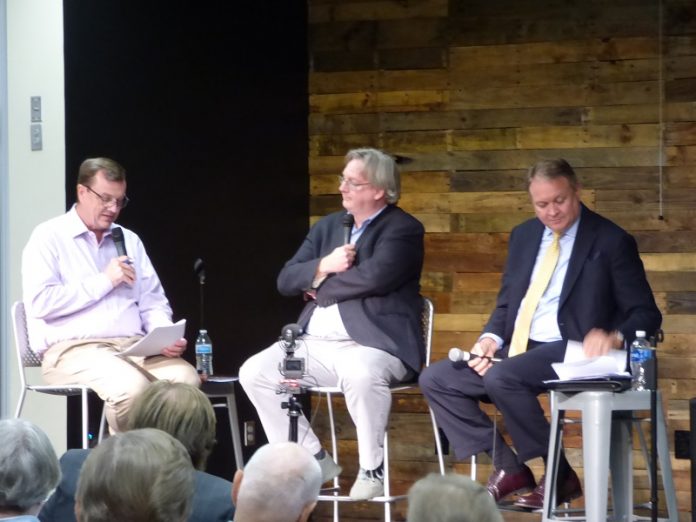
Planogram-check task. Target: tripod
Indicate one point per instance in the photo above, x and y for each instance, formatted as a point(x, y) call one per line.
point(294, 408)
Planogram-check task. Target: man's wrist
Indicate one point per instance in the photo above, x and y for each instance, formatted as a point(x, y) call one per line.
point(618, 338)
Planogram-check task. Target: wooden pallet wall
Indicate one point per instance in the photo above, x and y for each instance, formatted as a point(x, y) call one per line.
point(474, 92)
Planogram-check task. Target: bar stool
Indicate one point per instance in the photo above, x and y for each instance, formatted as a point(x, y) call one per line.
point(607, 420)
point(223, 388)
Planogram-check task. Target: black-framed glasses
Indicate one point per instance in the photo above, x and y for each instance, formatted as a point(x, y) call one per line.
point(352, 185)
point(109, 201)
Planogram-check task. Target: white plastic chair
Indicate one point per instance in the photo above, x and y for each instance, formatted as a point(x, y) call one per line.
point(27, 358)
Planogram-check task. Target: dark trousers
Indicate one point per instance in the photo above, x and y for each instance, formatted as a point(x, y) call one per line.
point(454, 391)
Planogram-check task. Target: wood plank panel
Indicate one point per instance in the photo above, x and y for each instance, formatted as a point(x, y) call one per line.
point(474, 92)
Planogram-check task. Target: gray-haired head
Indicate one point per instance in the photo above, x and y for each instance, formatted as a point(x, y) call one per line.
point(29, 468)
point(550, 169)
point(380, 170)
point(141, 475)
point(450, 498)
point(280, 483)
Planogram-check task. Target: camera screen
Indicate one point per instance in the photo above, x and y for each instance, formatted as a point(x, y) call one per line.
point(293, 365)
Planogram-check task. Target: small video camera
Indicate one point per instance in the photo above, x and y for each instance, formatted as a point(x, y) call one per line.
point(291, 367)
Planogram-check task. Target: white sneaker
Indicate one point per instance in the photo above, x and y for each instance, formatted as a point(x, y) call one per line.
point(329, 468)
point(369, 484)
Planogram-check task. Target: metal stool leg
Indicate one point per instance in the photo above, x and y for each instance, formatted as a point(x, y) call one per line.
point(85, 419)
point(234, 430)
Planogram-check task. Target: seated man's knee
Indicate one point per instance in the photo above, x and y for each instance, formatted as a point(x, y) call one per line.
point(251, 373)
point(496, 378)
point(189, 375)
point(428, 379)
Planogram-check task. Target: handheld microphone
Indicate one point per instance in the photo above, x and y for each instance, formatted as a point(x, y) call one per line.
point(119, 241)
point(348, 221)
point(457, 354)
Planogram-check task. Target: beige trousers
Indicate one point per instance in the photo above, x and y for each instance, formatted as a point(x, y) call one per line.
point(116, 379)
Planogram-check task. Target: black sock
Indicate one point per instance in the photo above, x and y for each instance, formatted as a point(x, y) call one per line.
point(503, 457)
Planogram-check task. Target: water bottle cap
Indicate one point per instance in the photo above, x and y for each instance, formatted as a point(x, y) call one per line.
point(640, 333)
point(203, 331)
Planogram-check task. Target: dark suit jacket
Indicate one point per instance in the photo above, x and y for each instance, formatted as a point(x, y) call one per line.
point(378, 298)
point(605, 286)
point(212, 501)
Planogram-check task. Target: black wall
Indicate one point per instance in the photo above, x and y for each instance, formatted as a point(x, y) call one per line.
point(205, 105)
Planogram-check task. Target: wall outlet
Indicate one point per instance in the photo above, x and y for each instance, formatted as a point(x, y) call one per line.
point(249, 433)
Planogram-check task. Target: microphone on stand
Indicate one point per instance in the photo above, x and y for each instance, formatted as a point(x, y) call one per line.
point(119, 240)
point(348, 221)
point(457, 354)
point(199, 270)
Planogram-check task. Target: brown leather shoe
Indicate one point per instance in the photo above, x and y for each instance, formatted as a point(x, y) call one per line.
point(501, 484)
point(569, 490)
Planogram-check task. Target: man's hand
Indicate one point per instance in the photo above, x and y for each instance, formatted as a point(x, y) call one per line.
point(485, 349)
point(340, 260)
point(598, 342)
point(176, 349)
point(119, 270)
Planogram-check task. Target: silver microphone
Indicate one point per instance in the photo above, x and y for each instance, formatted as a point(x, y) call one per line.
point(457, 354)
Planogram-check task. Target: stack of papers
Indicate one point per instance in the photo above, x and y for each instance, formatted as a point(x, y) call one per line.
point(576, 366)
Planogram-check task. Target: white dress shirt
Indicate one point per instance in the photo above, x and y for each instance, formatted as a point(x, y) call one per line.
point(68, 296)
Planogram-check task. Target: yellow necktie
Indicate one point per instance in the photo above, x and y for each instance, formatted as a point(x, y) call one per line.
point(520, 336)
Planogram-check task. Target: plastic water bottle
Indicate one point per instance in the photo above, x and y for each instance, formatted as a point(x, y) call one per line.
point(204, 353)
point(641, 355)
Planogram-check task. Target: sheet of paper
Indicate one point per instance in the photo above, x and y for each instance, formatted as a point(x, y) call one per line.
point(576, 366)
point(157, 339)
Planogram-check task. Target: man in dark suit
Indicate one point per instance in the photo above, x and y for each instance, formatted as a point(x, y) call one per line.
point(595, 291)
point(184, 412)
point(362, 318)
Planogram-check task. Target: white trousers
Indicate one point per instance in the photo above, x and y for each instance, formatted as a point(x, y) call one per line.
point(362, 373)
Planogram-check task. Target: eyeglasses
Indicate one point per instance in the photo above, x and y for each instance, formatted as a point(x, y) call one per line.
point(109, 201)
point(352, 185)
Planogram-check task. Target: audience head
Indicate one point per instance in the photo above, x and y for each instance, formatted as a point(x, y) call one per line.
point(181, 410)
point(29, 468)
point(141, 476)
point(450, 498)
point(380, 170)
point(280, 483)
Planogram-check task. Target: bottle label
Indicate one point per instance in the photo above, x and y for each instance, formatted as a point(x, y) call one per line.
point(204, 348)
point(641, 354)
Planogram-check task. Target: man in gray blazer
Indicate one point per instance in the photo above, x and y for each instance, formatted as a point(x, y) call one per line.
point(362, 317)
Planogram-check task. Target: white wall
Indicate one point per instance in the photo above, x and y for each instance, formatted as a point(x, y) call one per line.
point(32, 181)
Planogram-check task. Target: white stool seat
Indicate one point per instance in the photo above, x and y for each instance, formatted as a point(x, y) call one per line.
point(607, 420)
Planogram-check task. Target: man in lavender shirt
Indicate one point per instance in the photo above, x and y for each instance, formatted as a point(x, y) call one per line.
point(85, 304)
